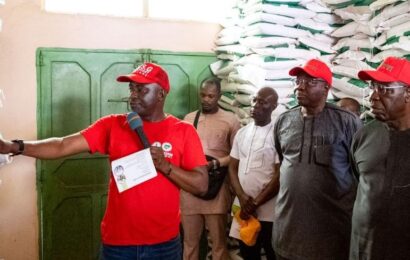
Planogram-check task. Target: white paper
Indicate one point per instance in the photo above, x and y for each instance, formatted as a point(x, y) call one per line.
point(5, 159)
point(133, 169)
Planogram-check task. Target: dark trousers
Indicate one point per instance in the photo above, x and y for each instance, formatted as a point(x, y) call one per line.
point(264, 241)
point(170, 250)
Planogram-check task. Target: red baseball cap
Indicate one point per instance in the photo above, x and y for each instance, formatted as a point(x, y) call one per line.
point(316, 69)
point(392, 69)
point(147, 73)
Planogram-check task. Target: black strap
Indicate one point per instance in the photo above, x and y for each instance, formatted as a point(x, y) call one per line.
point(197, 118)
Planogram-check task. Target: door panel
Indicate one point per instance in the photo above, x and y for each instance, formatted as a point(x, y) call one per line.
point(75, 88)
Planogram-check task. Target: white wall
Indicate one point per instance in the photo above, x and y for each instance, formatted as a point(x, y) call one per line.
point(25, 28)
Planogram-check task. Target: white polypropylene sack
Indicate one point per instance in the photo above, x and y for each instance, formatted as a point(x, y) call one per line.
point(392, 22)
point(359, 65)
point(340, 3)
point(227, 106)
point(353, 87)
point(317, 7)
point(269, 18)
point(379, 57)
point(402, 43)
point(274, 30)
point(290, 11)
point(353, 28)
point(227, 56)
point(397, 31)
point(315, 44)
point(267, 62)
point(288, 53)
point(221, 67)
point(353, 43)
point(232, 49)
point(277, 74)
point(355, 55)
point(230, 31)
point(261, 42)
point(379, 4)
point(227, 40)
point(247, 89)
point(244, 99)
point(249, 74)
point(284, 92)
point(276, 84)
point(229, 98)
point(389, 12)
point(313, 26)
point(350, 72)
point(229, 86)
point(355, 13)
point(327, 18)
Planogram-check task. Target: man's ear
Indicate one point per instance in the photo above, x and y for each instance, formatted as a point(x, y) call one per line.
point(327, 87)
point(407, 95)
point(162, 94)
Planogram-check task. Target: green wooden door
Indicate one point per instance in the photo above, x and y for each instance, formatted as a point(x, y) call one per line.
point(75, 88)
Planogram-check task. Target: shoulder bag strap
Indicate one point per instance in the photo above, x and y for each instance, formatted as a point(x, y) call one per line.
point(197, 118)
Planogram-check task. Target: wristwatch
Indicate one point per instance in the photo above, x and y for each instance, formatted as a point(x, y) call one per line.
point(21, 147)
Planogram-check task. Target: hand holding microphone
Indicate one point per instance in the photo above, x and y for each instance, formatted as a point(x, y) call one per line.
point(157, 154)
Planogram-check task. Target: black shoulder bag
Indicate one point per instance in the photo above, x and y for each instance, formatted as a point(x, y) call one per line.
point(216, 176)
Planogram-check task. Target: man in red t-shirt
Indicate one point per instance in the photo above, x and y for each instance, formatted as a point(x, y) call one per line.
point(142, 221)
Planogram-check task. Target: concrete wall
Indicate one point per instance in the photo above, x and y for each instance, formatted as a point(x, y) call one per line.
point(25, 28)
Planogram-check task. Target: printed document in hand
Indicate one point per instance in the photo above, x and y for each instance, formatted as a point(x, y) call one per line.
point(133, 169)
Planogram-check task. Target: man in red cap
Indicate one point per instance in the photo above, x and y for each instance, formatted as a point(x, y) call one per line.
point(380, 152)
point(317, 186)
point(142, 221)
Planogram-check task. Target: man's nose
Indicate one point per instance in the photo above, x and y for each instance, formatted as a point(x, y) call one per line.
point(374, 96)
point(302, 84)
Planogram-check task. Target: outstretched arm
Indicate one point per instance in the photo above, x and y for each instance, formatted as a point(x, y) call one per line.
point(51, 148)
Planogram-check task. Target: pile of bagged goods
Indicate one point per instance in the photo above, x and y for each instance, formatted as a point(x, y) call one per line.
point(262, 40)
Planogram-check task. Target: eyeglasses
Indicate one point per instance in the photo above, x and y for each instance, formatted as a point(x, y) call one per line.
point(311, 82)
point(383, 88)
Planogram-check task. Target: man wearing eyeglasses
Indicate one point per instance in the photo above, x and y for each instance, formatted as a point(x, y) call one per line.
point(317, 186)
point(380, 152)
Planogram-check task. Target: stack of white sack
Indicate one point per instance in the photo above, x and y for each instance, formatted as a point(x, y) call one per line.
point(275, 36)
point(375, 30)
point(355, 47)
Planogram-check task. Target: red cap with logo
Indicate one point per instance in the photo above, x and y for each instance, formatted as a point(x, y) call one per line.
point(392, 69)
point(147, 73)
point(316, 69)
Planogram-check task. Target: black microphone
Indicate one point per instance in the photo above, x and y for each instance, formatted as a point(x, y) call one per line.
point(135, 122)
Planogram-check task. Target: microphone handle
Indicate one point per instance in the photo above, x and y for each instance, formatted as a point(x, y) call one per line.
point(143, 138)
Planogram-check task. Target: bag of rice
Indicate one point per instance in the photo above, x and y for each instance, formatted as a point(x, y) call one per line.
point(269, 41)
point(379, 4)
point(349, 86)
point(313, 26)
point(268, 18)
point(355, 13)
point(290, 11)
point(261, 29)
point(312, 43)
point(288, 53)
point(379, 57)
point(389, 12)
